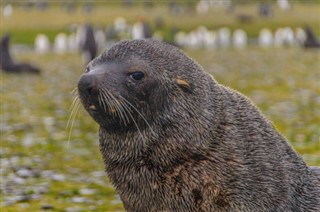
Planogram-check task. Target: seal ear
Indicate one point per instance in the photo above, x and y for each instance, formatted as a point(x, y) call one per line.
point(184, 85)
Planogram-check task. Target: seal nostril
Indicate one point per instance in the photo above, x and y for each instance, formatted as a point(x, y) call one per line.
point(89, 88)
point(88, 84)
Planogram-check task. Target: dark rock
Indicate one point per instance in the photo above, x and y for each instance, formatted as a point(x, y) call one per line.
point(47, 207)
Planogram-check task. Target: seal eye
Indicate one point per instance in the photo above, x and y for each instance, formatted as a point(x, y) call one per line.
point(137, 75)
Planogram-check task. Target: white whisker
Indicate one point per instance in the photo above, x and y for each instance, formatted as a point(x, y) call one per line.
point(74, 100)
point(74, 112)
point(110, 102)
point(102, 101)
point(126, 107)
point(126, 118)
point(119, 107)
point(137, 112)
point(74, 90)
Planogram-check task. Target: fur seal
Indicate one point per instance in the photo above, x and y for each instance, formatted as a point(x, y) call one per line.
point(174, 139)
point(8, 64)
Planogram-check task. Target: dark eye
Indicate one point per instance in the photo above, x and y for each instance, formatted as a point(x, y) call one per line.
point(137, 75)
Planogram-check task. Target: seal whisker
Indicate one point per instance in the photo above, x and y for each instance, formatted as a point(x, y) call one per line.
point(122, 104)
point(114, 106)
point(120, 110)
point(110, 102)
point(74, 112)
point(74, 100)
point(137, 112)
point(75, 103)
point(126, 107)
point(102, 103)
point(74, 90)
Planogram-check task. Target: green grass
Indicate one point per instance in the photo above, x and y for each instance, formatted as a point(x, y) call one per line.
point(25, 25)
point(282, 82)
point(28, 102)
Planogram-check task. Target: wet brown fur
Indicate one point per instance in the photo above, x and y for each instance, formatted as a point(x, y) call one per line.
point(200, 146)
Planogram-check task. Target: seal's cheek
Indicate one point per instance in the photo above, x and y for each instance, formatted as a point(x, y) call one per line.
point(140, 89)
point(130, 85)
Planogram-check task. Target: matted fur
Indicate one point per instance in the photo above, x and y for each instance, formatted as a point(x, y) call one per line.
point(177, 140)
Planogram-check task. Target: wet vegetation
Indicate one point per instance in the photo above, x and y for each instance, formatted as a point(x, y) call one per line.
point(46, 165)
point(43, 167)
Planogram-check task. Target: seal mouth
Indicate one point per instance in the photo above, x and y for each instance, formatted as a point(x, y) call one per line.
point(92, 107)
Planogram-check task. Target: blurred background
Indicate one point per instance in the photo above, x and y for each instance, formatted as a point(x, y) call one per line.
point(266, 49)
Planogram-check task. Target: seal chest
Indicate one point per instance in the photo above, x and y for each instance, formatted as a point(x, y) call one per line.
point(174, 139)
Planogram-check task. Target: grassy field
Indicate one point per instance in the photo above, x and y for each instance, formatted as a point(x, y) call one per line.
point(24, 25)
point(46, 165)
point(35, 111)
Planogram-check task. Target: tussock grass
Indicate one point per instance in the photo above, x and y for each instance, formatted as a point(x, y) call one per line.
point(283, 83)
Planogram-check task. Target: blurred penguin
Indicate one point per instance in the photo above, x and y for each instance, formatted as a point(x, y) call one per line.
point(41, 44)
point(141, 29)
point(87, 42)
point(8, 64)
point(311, 40)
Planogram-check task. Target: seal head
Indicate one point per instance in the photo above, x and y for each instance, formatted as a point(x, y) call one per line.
point(129, 90)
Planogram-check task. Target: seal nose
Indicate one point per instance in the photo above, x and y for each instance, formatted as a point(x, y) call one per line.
point(88, 84)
